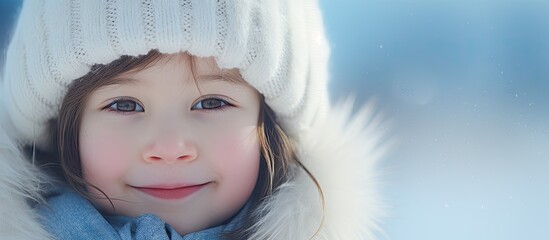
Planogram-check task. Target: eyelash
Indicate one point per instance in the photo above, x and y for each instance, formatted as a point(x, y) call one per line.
point(224, 104)
point(119, 100)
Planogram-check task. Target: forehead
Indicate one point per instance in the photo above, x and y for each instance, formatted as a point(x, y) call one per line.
point(201, 69)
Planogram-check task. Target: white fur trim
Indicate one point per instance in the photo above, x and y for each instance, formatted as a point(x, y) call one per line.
point(341, 152)
point(19, 183)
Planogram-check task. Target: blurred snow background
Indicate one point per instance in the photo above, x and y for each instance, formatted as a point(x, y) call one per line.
point(466, 85)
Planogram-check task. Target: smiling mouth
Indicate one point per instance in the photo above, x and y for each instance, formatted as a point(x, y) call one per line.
point(171, 192)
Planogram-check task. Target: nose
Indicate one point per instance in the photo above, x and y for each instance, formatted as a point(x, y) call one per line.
point(170, 150)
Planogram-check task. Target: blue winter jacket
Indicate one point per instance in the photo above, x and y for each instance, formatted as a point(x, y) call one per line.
point(68, 215)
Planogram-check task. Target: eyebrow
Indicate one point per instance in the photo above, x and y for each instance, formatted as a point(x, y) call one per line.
point(224, 78)
point(123, 81)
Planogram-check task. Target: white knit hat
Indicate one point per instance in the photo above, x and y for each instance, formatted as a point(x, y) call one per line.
point(279, 47)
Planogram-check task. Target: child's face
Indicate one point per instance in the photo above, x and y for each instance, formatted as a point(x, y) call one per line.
point(155, 143)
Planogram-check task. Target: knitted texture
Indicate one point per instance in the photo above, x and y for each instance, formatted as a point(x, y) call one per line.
point(279, 47)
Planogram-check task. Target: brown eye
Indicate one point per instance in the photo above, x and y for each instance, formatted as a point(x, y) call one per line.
point(126, 105)
point(210, 104)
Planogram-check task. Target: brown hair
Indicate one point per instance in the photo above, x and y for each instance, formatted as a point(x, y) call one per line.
point(277, 149)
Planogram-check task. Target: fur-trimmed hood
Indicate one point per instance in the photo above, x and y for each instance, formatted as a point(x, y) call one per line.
point(340, 150)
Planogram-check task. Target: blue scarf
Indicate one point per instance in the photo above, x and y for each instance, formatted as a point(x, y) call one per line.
point(70, 216)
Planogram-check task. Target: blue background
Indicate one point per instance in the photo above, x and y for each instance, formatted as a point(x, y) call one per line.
point(465, 85)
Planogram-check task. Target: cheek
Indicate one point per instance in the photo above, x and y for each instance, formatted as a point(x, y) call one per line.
point(103, 157)
point(237, 161)
point(237, 149)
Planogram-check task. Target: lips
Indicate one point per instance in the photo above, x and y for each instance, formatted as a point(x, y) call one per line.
point(171, 191)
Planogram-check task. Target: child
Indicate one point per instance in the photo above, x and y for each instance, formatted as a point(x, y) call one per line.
point(180, 120)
